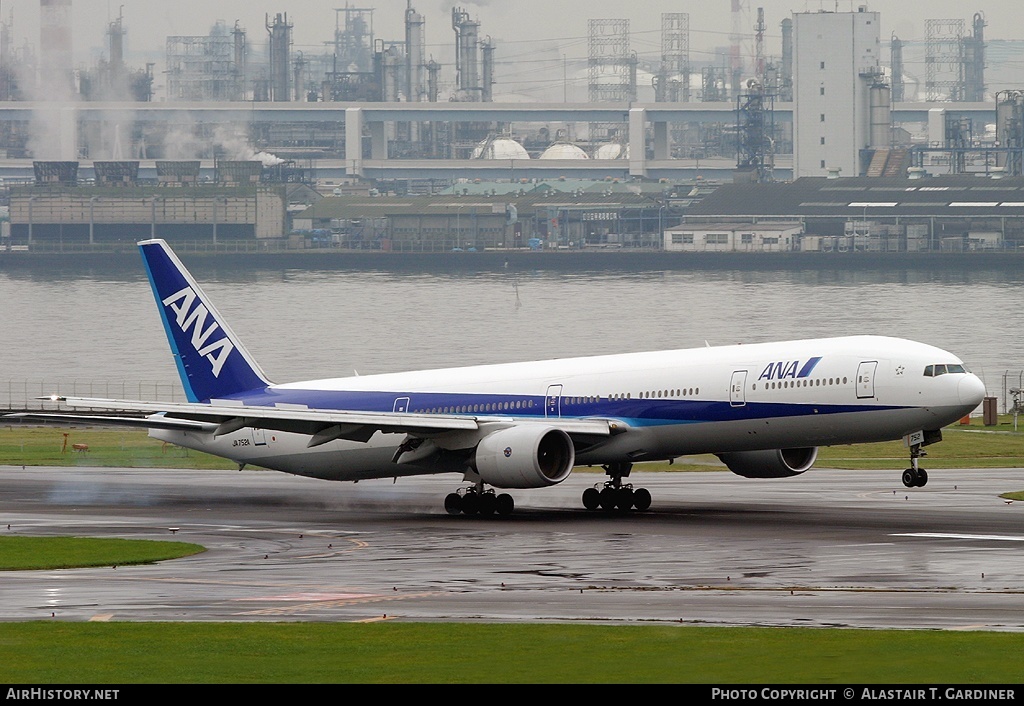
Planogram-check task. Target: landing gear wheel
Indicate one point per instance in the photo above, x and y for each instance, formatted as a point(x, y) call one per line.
point(470, 503)
point(922, 477)
point(488, 503)
point(504, 504)
point(591, 498)
point(641, 499)
point(453, 503)
point(910, 478)
point(625, 500)
point(609, 498)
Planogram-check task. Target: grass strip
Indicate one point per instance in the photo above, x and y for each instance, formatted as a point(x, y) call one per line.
point(393, 653)
point(22, 553)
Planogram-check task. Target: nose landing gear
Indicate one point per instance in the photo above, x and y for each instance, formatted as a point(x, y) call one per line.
point(915, 477)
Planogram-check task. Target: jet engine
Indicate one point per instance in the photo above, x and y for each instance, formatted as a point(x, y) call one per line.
point(525, 456)
point(770, 463)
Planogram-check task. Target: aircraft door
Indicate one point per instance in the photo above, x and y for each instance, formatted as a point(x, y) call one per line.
point(401, 404)
point(737, 391)
point(553, 401)
point(866, 379)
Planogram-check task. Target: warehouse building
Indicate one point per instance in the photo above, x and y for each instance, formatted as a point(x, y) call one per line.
point(115, 206)
point(949, 213)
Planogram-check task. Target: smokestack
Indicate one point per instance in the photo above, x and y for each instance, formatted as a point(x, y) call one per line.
point(55, 41)
point(466, 54)
point(280, 52)
point(414, 56)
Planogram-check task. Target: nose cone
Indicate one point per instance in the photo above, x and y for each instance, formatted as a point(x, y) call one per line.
point(971, 390)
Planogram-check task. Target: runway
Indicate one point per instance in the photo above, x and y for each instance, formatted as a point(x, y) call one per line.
point(825, 549)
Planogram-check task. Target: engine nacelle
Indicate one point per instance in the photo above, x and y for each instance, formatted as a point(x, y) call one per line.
point(525, 456)
point(770, 463)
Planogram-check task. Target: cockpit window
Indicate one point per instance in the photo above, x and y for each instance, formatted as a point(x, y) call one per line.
point(936, 370)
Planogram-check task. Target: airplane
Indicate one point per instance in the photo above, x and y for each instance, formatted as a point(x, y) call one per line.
point(763, 409)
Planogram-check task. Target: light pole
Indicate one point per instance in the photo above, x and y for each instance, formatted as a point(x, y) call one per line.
point(216, 200)
point(458, 226)
point(152, 225)
point(92, 220)
point(661, 227)
point(30, 200)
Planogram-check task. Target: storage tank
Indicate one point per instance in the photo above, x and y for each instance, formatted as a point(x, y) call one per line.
point(500, 148)
point(880, 134)
point(563, 150)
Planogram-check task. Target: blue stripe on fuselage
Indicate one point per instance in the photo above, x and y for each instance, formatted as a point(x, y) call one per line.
point(635, 412)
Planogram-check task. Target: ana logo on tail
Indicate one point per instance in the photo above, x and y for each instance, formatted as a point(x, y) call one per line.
point(188, 317)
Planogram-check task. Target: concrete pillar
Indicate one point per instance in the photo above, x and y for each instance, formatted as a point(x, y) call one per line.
point(378, 140)
point(637, 142)
point(662, 144)
point(354, 141)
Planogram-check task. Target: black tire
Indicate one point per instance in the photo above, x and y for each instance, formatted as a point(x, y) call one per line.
point(488, 504)
point(470, 504)
point(625, 499)
point(505, 504)
point(910, 478)
point(922, 478)
point(591, 498)
point(453, 503)
point(642, 499)
point(609, 498)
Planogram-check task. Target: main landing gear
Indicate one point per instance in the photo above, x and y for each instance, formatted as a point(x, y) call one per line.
point(615, 495)
point(915, 477)
point(474, 500)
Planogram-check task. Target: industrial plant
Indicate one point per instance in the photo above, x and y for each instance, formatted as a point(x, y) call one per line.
point(373, 143)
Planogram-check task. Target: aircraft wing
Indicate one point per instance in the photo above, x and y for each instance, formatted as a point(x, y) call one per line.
point(152, 422)
point(226, 416)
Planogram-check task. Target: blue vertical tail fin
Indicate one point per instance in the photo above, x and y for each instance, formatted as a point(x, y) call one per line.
point(212, 362)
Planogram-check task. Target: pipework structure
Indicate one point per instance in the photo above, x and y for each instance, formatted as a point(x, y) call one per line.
point(755, 134)
point(672, 83)
point(474, 76)
point(280, 57)
point(207, 68)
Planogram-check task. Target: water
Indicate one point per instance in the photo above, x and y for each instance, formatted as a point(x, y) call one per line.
point(102, 326)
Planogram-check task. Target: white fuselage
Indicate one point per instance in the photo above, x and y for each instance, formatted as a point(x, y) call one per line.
point(724, 399)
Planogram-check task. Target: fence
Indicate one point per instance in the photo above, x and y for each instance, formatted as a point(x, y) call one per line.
point(1012, 380)
point(34, 395)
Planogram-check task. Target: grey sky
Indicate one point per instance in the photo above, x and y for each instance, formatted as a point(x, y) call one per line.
point(148, 22)
point(530, 33)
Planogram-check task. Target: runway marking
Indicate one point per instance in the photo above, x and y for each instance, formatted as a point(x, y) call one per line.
point(320, 605)
point(376, 619)
point(943, 535)
point(310, 596)
point(331, 551)
point(101, 618)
